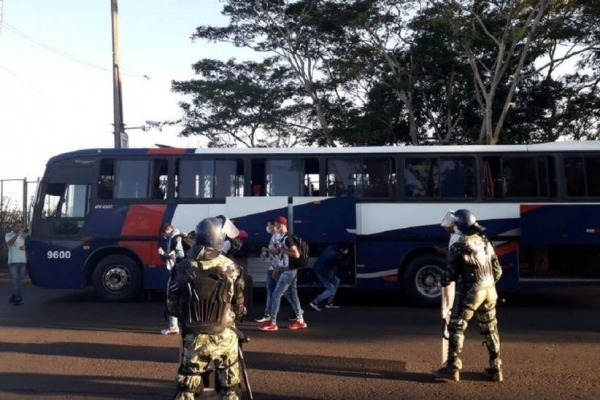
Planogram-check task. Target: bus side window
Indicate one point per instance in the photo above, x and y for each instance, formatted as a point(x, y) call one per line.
point(592, 166)
point(345, 177)
point(575, 176)
point(421, 177)
point(284, 177)
point(107, 180)
point(378, 177)
point(520, 176)
point(159, 184)
point(311, 177)
point(457, 177)
point(493, 184)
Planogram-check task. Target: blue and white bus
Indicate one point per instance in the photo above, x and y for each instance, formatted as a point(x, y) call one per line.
point(98, 212)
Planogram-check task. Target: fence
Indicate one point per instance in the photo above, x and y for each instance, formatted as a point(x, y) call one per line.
point(16, 203)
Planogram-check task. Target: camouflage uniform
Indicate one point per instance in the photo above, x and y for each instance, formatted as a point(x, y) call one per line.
point(200, 348)
point(473, 264)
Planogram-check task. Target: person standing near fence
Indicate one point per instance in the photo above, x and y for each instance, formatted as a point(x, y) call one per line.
point(17, 259)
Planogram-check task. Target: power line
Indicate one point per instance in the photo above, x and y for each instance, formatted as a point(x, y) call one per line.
point(22, 80)
point(64, 53)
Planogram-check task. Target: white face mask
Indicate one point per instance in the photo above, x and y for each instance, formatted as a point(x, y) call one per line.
point(268, 229)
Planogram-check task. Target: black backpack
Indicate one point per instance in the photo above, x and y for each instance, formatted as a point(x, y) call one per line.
point(204, 300)
point(303, 248)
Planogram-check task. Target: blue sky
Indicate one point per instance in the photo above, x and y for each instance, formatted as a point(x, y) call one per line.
point(50, 103)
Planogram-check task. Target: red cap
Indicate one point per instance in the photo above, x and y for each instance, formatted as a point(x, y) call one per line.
point(282, 220)
point(243, 234)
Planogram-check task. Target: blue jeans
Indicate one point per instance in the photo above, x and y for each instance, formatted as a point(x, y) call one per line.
point(331, 282)
point(286, 286)
point(288, 294)
point(16, 271)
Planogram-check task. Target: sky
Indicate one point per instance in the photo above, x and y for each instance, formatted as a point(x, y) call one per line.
point(56, 88)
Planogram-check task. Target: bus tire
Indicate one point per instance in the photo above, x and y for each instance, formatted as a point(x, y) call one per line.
point(117, 278)
point(420, 280)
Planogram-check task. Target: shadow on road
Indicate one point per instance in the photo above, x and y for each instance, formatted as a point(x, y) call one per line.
point(335, 366)
point(114, 387)
point(94, 351)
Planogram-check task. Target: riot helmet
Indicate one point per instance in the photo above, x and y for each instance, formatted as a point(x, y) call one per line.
point(209, 234)
point(467, 223)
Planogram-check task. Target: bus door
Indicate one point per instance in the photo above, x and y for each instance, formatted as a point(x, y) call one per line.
point(560, 241)
point(324, 221)
point(54, 249)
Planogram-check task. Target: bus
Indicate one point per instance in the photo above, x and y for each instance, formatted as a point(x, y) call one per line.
point(98, 212)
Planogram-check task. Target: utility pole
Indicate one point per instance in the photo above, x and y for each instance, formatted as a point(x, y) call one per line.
point(117, 97)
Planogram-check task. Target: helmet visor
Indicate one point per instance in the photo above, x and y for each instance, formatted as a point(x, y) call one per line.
point(449, 220)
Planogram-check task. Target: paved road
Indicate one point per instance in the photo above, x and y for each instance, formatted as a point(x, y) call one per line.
point(69, 345)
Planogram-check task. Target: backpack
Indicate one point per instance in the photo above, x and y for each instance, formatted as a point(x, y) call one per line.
point(303, 248)
point(187, 242)
point(204, 300)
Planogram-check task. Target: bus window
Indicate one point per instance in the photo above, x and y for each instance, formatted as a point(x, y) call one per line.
point(311, 177)
point(506, 177)
point(229, 178)
point(575, 176)
point(131, 179)
point(123, 179)
point(378, 177)
point(343, 177)
point(457, 177)
point(520, 177)
point(107, 180)
point(67, 204)
point(360, 177)
point(284, 177)
point(160, 176)
point(203, 179)
point(546, 177)
point(421, 177)
point(65, 201)
point(592, 163)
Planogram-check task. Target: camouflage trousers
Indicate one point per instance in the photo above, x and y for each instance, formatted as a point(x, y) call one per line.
point(198, 351)
point(479, 301)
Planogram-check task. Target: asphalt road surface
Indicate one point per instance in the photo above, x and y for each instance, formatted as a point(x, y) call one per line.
point(70, 345)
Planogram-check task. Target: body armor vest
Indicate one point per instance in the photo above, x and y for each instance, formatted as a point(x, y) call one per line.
point(205, 295)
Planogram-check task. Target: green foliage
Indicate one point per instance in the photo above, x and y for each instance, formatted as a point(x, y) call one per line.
point(390, 72)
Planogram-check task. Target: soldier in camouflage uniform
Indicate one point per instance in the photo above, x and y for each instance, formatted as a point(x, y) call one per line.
point(206, 294)
point(474, 266)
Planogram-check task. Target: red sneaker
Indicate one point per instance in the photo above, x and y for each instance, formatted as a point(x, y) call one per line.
point(268, 326)
point(298, 324)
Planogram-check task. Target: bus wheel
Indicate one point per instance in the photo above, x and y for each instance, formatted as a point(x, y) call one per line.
point(420, 281)
point(117, 278)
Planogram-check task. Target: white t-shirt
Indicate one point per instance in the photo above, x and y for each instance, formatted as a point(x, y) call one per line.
point(15, 254)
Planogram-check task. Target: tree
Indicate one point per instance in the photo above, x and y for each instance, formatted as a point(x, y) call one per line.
point(280, 28)
point(248, 103)
point(503, 41)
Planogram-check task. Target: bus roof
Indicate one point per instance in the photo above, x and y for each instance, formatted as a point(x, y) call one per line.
point(552, 146)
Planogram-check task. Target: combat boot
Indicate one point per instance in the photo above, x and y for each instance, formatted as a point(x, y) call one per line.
point(495, 374)
point(447, 374)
